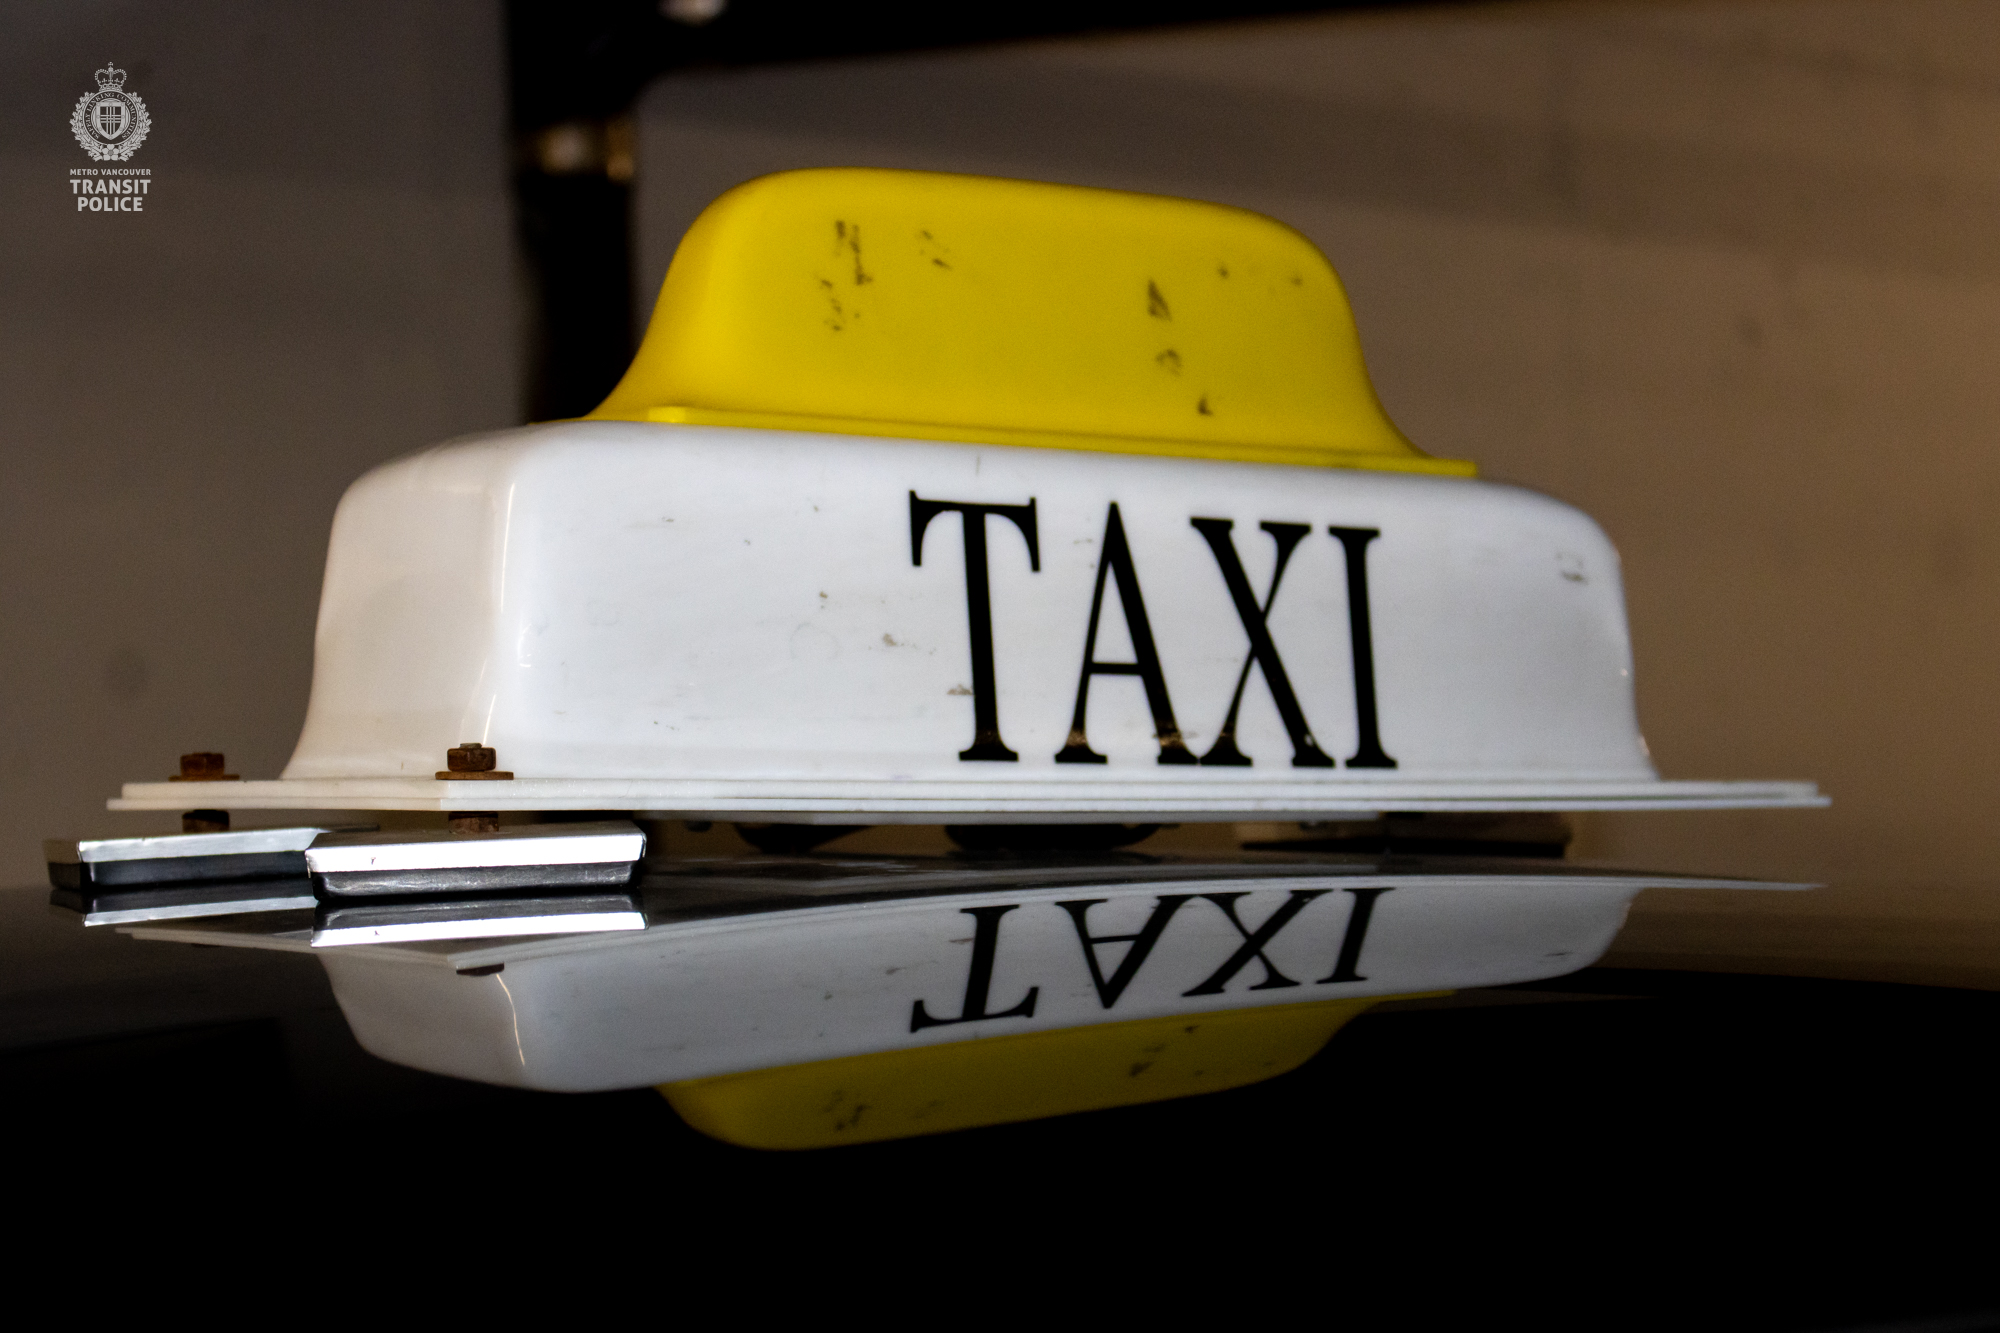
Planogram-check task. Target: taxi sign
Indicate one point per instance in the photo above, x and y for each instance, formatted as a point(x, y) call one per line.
point(934, 498)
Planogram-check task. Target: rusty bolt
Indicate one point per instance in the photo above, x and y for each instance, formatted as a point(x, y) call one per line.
point(206, 766)
point(471, 761)
point(474, 821)
point(471, 757)
point(205, 821)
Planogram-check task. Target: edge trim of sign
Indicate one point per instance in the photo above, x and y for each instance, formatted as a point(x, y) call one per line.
point(1301, 455)
point(919, 802)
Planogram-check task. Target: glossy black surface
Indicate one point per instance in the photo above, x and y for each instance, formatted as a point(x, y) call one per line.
point(1724, 1152)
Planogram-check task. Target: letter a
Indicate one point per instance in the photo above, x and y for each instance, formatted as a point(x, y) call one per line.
point(1116, 560)
point(1142, 942)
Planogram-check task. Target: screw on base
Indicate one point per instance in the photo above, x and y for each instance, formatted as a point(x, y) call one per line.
point(470, 761)
point(205, 766)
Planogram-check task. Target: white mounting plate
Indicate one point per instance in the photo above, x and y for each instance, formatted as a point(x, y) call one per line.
point(807, 801)
point(532, 845)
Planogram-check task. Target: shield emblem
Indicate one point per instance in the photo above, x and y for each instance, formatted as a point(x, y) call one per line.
point(110, 118)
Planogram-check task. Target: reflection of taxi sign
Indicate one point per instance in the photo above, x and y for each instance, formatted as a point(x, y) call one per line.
point(936, 499)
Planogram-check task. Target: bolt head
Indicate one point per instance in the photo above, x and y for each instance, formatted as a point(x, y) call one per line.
point(471, 757)
point(203, 765)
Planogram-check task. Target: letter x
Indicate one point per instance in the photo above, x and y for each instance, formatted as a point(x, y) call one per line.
point(1263, 653)
point(1254, 942)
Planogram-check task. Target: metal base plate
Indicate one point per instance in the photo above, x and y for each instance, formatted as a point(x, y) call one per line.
point(478, 918)
point(462, 880)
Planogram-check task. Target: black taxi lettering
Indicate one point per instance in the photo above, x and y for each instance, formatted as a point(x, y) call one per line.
point(1116, 561)
point(1116, 565)
point(1354, 546)
point(1254, 941)
point(1139, 947)
point(986, 742)
point(1142, 943)
point(979, 977)
point(1263, 653)
point(1352, 937)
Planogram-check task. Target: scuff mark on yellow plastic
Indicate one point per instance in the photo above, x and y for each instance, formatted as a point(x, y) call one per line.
point(927, 241)
point(847, 237)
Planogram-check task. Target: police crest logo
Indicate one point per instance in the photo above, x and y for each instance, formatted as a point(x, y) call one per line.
point(110, 123)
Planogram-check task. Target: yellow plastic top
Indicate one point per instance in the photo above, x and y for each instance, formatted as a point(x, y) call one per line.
point(965, 308)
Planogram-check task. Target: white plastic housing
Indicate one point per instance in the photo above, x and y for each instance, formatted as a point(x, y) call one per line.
point(715, 620)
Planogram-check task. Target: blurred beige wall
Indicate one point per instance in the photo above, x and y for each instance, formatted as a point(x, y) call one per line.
point(322, 278)
point(1726, 275)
